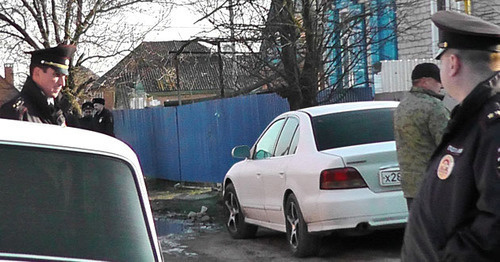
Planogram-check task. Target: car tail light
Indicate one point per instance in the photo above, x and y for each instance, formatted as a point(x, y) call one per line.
point(341, 178)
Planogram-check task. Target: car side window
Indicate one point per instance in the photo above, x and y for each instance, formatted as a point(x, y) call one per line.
point(265, 147)
point(285, 139)
point(295, 141)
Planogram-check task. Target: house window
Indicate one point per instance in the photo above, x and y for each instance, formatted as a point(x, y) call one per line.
point(346, 44)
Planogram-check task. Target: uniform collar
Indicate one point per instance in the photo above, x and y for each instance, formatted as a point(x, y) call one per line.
point(474, 102)
point(416, 89)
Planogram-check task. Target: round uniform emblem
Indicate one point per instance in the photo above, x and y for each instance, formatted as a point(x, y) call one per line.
point(445, 167)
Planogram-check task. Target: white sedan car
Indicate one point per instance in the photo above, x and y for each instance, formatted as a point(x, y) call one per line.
point(316, 170)
point(69, 194)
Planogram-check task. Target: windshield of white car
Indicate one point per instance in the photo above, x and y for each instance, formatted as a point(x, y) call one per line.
point(70, 204)
point(353, 128)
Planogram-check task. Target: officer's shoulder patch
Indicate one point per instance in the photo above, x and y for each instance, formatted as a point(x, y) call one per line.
point(19, 108)
point(493, 113)
point(18, 104)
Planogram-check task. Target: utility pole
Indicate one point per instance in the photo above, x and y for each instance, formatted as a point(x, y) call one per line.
point(467, 6)
point(221, 70)
point(233, 41)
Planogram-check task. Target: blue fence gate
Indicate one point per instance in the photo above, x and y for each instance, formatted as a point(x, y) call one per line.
point(193, 142)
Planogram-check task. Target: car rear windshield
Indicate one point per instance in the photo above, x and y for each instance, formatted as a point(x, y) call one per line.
point(70, 204)
point(353, 128)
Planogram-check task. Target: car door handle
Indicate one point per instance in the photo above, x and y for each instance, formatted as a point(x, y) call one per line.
point(282, 174)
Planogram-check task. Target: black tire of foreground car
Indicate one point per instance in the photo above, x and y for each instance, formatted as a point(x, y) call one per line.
point(235, 219)
point(301, 242)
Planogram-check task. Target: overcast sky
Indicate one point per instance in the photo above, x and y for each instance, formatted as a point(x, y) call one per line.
point(181, 27)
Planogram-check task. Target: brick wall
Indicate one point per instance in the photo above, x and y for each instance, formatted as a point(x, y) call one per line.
point(7, 90)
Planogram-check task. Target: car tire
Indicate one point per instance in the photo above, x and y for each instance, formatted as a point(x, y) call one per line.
point(300, 241)
point(235, 219)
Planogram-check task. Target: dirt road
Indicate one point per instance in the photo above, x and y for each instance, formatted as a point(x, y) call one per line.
point(212, 243)
point(184, 240)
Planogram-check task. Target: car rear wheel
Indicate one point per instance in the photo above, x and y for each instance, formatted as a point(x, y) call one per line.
point(235, 220)
point(301, 242)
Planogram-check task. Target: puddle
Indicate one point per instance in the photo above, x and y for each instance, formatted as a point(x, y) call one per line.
point(171, 232)
point(166, 226)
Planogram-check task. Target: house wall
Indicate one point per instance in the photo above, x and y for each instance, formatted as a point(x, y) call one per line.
point(7, 89)
point(488, 10)
point(415, 28)
point(373, 41)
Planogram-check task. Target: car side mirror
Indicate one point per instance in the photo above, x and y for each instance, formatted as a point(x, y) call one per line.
point(241, 152)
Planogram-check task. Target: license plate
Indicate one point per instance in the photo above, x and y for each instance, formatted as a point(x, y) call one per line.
point(390, 177)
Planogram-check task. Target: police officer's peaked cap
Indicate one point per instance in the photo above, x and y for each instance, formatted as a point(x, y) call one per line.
point(87, 105)
point(461, 31)
point(98, 101)
point(56, 57)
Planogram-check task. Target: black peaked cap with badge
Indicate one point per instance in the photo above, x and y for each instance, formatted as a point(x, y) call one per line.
point(87, 105)
point(98, 100)
point(461, 31)
point(56, 57)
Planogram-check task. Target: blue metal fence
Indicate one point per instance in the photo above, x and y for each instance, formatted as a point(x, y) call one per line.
point(193, 142)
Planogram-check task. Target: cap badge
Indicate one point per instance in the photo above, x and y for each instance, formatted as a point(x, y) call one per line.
point(443, 45)
point(445, 167)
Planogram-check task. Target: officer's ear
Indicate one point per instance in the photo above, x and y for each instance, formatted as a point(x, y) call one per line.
point(35, 74)
point(450, 64)
point(455, 64)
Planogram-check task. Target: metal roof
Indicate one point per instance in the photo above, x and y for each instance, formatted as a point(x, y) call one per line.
point(151, 67)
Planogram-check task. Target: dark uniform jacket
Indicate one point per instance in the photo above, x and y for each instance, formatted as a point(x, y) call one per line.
point(86, 122)
point(31, 105)
point(456, 216)
point(103, 122)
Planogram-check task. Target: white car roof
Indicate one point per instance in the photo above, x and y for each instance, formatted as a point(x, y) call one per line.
point(53, 136)
point(344, 107)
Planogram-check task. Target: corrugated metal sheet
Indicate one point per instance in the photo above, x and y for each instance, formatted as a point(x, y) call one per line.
point(152, 134)
point(193, 142)
point(395, 75)
point(152, 66)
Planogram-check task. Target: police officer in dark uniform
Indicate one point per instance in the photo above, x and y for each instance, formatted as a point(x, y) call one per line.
point(40, 99)
point(87, 120)
point(456, 216)
point(103, 118)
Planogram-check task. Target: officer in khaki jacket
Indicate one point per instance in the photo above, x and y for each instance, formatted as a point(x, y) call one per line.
point(456, 214)
point(419, 123)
